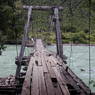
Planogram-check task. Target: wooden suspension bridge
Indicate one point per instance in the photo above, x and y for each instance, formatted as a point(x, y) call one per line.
point(45, 73)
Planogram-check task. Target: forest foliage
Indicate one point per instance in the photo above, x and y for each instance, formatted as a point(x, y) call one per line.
point(74, 21)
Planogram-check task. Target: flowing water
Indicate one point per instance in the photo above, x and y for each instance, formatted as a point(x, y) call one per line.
point(78, 62)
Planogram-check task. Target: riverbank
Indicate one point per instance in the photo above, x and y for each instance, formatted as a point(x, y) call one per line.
point(67, 44)
point(13, 42)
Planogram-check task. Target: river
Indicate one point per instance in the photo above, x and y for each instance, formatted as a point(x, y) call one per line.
point(78, 61)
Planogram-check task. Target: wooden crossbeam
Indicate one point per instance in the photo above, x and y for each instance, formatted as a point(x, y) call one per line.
point(42, 7)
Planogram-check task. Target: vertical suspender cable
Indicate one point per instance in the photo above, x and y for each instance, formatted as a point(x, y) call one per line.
point(14, 27)
point(89, 42)
point(16, 45)
point(71, 24)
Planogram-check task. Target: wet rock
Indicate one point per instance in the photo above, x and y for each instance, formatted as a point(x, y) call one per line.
point(82, 70)
point(8, 81)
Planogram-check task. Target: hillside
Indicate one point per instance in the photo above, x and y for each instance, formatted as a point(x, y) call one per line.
point(74, 20)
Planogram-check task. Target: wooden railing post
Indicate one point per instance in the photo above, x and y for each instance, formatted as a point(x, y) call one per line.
point(24, 39)
point(58, 33)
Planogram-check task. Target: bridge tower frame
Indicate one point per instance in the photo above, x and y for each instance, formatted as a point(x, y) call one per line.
point(26, 30)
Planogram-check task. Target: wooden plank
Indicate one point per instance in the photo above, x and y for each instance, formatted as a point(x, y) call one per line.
point(61, 82)
point(50, 70)
point(49, 85)
point(35, 81)
point(55, 83)
point(57, 90)
point(53, 64)
point(27, 81)
point(56, 61)
point(42, 86)
point(38, 58)
point(43, 57)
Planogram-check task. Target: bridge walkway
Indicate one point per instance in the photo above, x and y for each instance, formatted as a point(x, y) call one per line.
point(47, 75)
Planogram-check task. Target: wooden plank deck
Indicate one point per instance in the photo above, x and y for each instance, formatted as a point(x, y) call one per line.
point(46, 75)
point(27, 81)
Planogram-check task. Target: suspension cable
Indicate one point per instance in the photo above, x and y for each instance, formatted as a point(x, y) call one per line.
point(71, 24)
point(14, 27)
point(16, 45)
point(89, 42)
